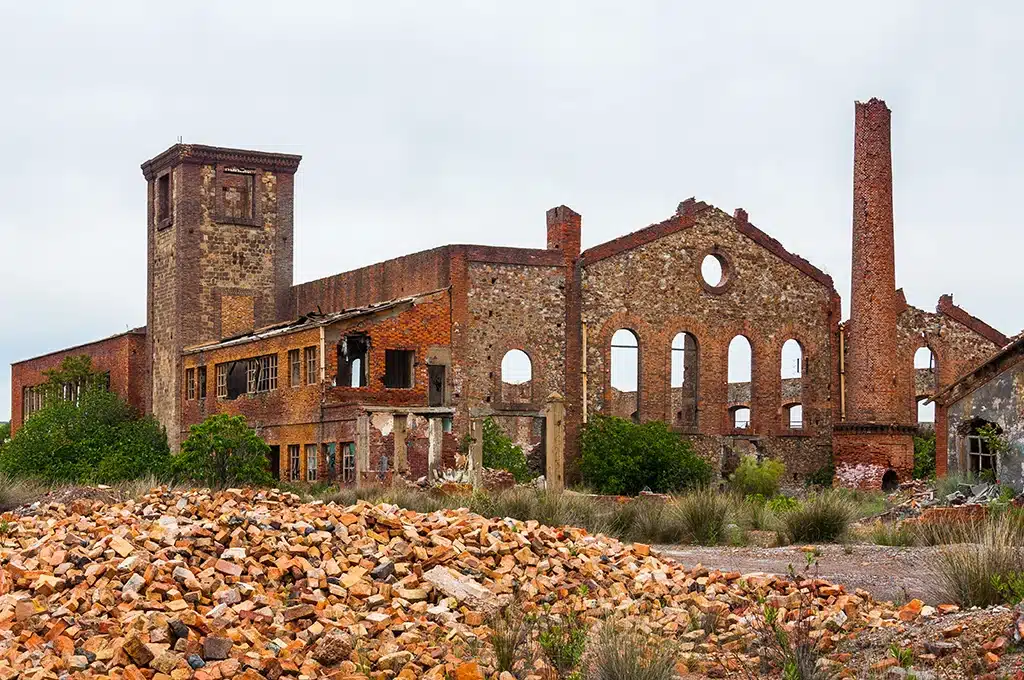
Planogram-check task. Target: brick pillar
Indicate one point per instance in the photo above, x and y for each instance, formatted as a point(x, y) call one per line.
point(564, 233)
point(871, 388)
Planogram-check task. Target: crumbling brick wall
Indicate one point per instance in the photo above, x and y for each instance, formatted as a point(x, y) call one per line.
point(650, 282)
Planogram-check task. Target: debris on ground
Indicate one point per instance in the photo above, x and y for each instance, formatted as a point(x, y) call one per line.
point(256, 584)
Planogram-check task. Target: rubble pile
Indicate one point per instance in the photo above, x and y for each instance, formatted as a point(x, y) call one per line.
point(255, 584)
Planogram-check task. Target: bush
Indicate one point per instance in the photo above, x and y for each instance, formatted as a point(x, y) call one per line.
point(562, 640)
point(983, 573)
point(629, 655)
point(100, 439)
point(823, 476)
point(761, 478)
point(500, 453)
point(223, 451)
point(924, 456)
point(703, 517)
point(822, 518)
point(622, 457)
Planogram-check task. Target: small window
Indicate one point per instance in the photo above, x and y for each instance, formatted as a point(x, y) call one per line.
point(201, 382)
point(712, 270)
point(398, 368)
point(741, 417)
point(446, 424)
point(352, 355)
point(294, 368)
point(795, 416)
point(190, 383)
point(348, 462)
point(294, 463)
point(312, 464)
point(163, 200)
point(979, 455)
point(312, 366)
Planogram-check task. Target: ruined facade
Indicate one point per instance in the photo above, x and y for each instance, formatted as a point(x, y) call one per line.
point(380, 370)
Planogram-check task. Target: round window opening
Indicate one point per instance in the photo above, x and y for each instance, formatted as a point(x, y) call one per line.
point(712, 270)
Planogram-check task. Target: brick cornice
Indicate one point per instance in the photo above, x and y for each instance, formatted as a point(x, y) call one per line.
point(200, 153)
point(961, 316)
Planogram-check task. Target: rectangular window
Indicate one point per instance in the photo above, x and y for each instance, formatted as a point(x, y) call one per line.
point(237, 194)
point(222, 380)
point(446, 424)
point(398, 368)
point(332, 461)
point(312, 464)
point(348, 462)
point(294, 463)
point(353, 351)
point(190, 383)
point(201, 382)
point(979, 455)
point(261, 375)
point(312, 367)
point(163, 200)
point(294, 368)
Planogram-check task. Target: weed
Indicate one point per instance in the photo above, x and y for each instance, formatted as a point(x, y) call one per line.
point(562, 640)
point(510, 633)
point(904, 656)
point(629, 655)
point(761, 478)
point(892, 534)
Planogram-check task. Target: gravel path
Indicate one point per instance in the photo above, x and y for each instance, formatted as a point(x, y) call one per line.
point(897, 574)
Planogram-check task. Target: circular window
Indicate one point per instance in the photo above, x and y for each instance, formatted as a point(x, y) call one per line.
point(711, 270)
point(714, 271)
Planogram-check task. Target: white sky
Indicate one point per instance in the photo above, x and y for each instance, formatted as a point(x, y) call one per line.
point(450, 122)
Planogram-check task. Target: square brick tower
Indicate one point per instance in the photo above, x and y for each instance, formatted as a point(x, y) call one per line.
point(220, 249)
point(871, 448)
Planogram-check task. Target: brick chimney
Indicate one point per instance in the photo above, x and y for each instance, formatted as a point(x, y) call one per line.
point(564, 225)
point(871, 394)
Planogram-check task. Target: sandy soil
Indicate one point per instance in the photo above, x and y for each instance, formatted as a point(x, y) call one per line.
point(897, 574)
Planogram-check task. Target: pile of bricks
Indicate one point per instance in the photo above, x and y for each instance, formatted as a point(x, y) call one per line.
point(255, 584)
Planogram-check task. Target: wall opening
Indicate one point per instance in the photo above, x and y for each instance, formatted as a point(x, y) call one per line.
point(924, 384)
point(740, 370)
point(981, 459)
point(516, 377)
point(625, 374)
point(739, 416)
point(712, 270)
point(925, 412)
point(684, 380)
point(352, 364)
point(792, 367)
point(890, 481)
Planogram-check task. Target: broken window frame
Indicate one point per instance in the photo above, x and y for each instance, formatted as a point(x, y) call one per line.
point(262, 374)
point(294, 462)
point(190, 384)
point(294, 368)
point(348, 462)
point(221, 371)
point(399, 369)
point(312, 463)
point(359, 346)
point(978, 454)
point(312, 365)
point(201, 382)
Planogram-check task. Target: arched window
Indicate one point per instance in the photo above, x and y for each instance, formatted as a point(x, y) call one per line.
point(792, 384)
point(924, 384)
point(684, 380)
point(924, 358)
point(740, 417)
point(516, 377)
point(794, 416)
point(625, 374)
point(740, 365)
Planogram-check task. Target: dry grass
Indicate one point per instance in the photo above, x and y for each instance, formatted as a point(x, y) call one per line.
point(823, 518)
point(965, 572)
point(629, 655)
point(17, 492)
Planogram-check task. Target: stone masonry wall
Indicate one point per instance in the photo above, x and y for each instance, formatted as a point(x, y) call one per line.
point(656, 290)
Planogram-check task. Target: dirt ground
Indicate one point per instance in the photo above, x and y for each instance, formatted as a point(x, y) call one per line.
point(897, 574)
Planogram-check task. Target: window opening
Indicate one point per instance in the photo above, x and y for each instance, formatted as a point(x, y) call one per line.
point(684, 380)
point(348, 462)
point(294, 368)
point(398, 368)
point(294, 463)
point(190, 383)
point(312, 464)
point(312, 366)
point(352, 365)
point(201, 382)
point(625, 374)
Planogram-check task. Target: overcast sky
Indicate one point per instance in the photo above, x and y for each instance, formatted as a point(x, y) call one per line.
point(425, 123)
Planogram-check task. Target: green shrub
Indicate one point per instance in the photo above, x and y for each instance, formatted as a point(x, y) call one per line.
point(562, 640)
point(752, 477)
point(782, 504)
point(500, 453)
point(622, 457)
point(924, 456)
point(630, 655)
point(823, 476)
point(99, 439)
point(823, 518)
point(223, 451)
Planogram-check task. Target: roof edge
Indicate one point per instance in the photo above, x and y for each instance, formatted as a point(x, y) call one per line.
point(961, 316)
point(201, 153)
point(141, 330)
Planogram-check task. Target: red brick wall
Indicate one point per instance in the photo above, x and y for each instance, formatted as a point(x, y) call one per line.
point(122, 355)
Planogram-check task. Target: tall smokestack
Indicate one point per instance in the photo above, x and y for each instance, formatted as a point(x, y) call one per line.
point(871, 396)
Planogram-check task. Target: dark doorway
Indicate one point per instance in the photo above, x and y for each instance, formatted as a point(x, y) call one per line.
point(890, 482)
point(275, 461)
point(436, 378)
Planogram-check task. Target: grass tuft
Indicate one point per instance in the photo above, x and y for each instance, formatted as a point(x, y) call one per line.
point(629, 655)
point(823, 518)
point(969, 573)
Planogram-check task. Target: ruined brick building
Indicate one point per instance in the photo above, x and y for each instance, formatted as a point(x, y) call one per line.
point(382, 368)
